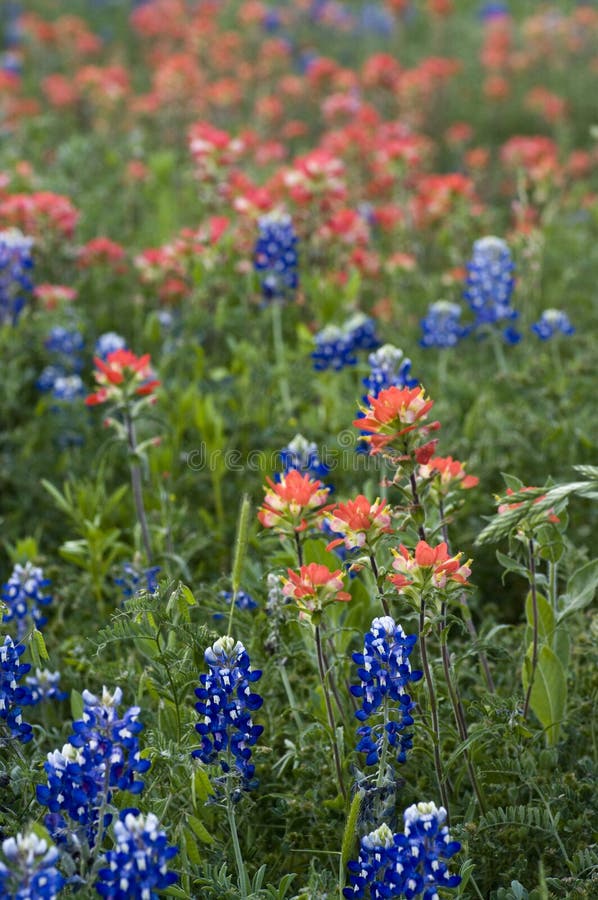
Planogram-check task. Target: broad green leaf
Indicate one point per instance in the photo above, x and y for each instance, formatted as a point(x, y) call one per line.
point(200, 830)
point(546, 621)
point(314, 551)
point(549, 691)
point(581, 589)
point(76, 704)
point(512, 565)
point(561, 644)
point(191, 848)
point(201, 786)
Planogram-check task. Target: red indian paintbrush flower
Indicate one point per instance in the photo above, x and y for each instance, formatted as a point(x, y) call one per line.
point(396, 413)
point(313, 588)
point(359, 522)
point(448, 472)
point(122, 375)
point(428, 567)
point(292, 504)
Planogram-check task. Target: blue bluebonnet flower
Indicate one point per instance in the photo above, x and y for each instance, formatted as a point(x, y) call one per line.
point(102, 755)
point(441, 326)
point(334, 349)
point(275, 256)
point(16, 264)
point(138, 866)
point(135, 579)
point(377, 19)
point(242, 601)
point(385, 672)
point(109, 343)
point(551, 322)
point(361, 332)
point(12, 694)
point(66, 344)
point(44, 685)
point(490, 11)
point(49, 377)
point(490, 282)
point(25, 596)
point(303, 455)
point(30, 872)
point(406, 865)
point(68, 388)
point(389, 367)
point(226, 704)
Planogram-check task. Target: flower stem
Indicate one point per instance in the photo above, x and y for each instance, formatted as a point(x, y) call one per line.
point(375, 572)
point(242, 871)
point(279, 356)
point(532, 581)
point(331, 723)
point(137, 488)
point(433, 707)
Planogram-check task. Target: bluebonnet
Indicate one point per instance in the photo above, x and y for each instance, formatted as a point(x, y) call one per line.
point(377, 19)
point(134, 579)
point(489, 11)
point(275, 256)
point(102, 755)
point(48, 378)
point(551, 322)
point(411, 864)
point(138, 865)
point(25, 597)
point(226, 703)
point(441, 326)
point(16, 264)
point(109, 342)
point(30, 872)
point(243, 599)
point(490, 283)
point(12, 694)
point(389, 367)
point(68, 388)
point(385, 672)
point(66, 345)
point(303, 455)
point(44, 685)
point(336, 347)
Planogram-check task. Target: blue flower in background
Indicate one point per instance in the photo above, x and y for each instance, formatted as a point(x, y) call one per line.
point(16, 265)
point(138, 866)
point(44, 686)
point(303, 455)
point(135, 579)
point(490, 282)
point(385, 672)
point(389, 367)
point(441, 326)
point(226, 703)
point(25, 597)
point(361, 332)
point(109, 342)
point(68, 388)
point(66, 344)
point(552, 322)
point(334, 350)
point(12, 694)
point(30, 872)
point(275, 256)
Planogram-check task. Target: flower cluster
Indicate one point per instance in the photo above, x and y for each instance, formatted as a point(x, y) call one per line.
point(293, 503)
point(428, 567)
point(138, 865)
point(109, 342)
point(275, 256)
point(441, 326)
point(336, 347)
point(385, 672)
point(133, 579)
point(490, 284)
point(389, 367)
point(16, 264)
point(313, 588)
point(12, 694)
point(394, 422)
point(226, 703)
point(44, 685)
point(358, 523)
point(61, 376)
point(30, 872)
point(406, 865)
point(66, 345)
point(552, 322)
point(102, 755)
point(122, 376)
point(303, 455)
point(25, 597)
point(446, 473)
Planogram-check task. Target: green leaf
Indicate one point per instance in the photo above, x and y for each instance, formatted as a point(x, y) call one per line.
point(191, 848)
point(200, 830)
point(546, 621)
point(76, 704)
point(314, 551)
point(561, 644)
point(348, 844)
point(549, 691)
point(511, 565)
point(201, 787)
point(37, 648)
point(581, 589)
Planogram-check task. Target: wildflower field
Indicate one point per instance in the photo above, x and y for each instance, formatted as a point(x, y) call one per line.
point(298, 471)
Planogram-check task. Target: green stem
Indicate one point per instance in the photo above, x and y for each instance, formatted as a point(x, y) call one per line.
point(331, 722)
point(532, 581)
point(553, 582)
point(384, 753)
point(279, 356)
point(137, 487)
point(242, 871)
point(291, 697)
point(376, 574)
point(433, 707)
